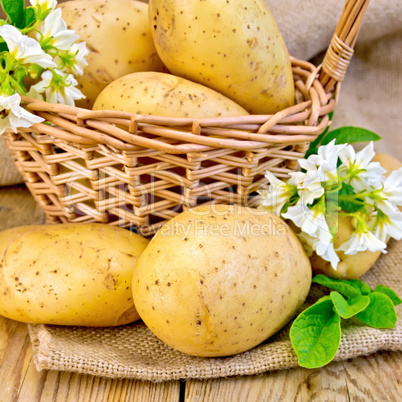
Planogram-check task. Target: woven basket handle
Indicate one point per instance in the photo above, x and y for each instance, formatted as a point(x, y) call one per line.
point(340, 50)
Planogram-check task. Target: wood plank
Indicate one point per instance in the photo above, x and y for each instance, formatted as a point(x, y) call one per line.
point(283, 385)
point(373, 378)
point(68, 387)
point(14, 358)
point(20, 381)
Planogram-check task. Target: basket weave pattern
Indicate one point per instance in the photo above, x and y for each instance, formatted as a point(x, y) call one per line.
point(141, 170)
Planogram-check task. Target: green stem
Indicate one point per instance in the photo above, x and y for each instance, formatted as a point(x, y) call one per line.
point(334, 190)
point(20, 89)
point(6, 89)
point(351, 173)
point(29, 28)
point(350, 197)
point(357, 202)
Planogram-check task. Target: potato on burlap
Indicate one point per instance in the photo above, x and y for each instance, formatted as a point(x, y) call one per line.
point(219, 280)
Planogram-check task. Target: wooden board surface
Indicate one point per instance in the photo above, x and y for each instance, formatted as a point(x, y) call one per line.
point(373, 378)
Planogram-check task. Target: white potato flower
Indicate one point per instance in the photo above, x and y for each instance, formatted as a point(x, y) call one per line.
point(33, 93)
point(310, 221)
point(277, 195)
point(58, 87)
point(314, 196)
point(54, 32)
point(44, 4)
point(389, 226)
point(25, 49)
point(368, 174)
point(325, 251)
point(76, 55)
point(310, 193)
point(12, 115)
point(323, 166)
point(390, 195)
point(362, 241)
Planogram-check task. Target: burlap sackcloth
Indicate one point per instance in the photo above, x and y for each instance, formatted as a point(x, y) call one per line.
point(132, 351)
point(370, 97)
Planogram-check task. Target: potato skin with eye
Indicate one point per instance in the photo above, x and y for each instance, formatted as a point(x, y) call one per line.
point(234, 47)
point(219, 280)
point(68, 274)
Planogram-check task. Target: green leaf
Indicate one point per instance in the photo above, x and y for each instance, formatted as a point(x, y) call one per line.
point(349, 308)
point(349, 135)
point(360, 286)
point(29, 16)
point(14, 9)
point(323, 299)
point(390, 293)
point(316, 334)
point(380, 313)
point(340, 285)
point(347, 206)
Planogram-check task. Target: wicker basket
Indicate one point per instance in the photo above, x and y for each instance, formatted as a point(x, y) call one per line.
point(138, 171)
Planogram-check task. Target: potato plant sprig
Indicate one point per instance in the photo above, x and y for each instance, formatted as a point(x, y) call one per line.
point(335, 180)
point(316, 332)
point(38, 58)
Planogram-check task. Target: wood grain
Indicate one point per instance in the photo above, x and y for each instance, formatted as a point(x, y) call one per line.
point(14, 358)
point(373, 378)
point(284, 385)
point(20, 381)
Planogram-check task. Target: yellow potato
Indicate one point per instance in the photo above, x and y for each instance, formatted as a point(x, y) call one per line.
point(233, 46)
point(118, 38)
point(164, 94)
point(218, 280)
point(69, 274)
